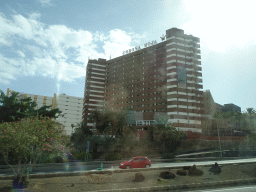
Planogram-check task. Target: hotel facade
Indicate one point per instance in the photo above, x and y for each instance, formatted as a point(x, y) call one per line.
point(157, 79)
point(70, 106)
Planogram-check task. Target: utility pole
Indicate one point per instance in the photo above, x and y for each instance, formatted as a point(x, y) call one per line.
point(219, 140)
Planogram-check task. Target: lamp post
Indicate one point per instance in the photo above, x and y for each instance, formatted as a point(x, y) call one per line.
point(218, 116)
point(219, 140)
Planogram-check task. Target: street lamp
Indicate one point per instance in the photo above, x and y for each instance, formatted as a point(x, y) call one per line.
point(219, 140)
point(217, 116)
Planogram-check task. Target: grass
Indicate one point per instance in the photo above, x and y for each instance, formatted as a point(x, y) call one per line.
point(163, 182)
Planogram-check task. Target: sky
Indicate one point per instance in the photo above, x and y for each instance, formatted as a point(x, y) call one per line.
point(45, 44)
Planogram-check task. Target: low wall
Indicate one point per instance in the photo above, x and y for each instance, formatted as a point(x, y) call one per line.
point(188, 144)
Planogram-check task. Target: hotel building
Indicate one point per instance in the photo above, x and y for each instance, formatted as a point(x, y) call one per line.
point(155, 79)
point(70, 106)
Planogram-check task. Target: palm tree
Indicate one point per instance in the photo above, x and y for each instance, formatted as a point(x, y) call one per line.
point(250, 111)
point(101, 119)
point(250, 118)
point(231, 116)
point(238, 118)
point(166, 135)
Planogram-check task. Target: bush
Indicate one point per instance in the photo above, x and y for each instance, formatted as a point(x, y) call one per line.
point(58, 159)
point(46, 158)
point(215, 169)
point(81, 156)
point(167, 175)
point(139, 177)
point(181, 172)
point(113, 156)
point(168, 156)
point(194, 171)
point(186, 167)
point(96, 155)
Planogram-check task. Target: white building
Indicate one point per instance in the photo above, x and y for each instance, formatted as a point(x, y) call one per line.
point(39, 99)
point(70, 106)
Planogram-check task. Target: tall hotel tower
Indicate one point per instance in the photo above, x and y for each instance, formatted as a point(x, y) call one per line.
point(151, 80)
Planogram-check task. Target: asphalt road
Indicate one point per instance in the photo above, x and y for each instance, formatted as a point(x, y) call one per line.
point(250, 188)
point(60, 169)
point(76, 167)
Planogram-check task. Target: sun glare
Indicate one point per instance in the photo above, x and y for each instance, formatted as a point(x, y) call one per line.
point(221, 25)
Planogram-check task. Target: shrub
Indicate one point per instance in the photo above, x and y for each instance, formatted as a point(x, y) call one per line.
point(113, 156)
point(181, 172)
point(46, 158)
point(186, 167)
point(194, 171)
point(215, 168)
point(139, 177)
point(81, 156)
point(96, 155)
point(167, 175)
point(58, 159)
point(168, 156)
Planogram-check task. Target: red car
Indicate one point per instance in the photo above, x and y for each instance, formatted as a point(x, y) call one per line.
point(136, 162)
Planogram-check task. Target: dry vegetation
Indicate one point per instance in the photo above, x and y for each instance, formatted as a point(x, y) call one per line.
point(96, 182)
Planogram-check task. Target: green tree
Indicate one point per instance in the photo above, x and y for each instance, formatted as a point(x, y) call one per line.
point(14, 108)
point(46, 111)
point(118, 122)
point(227, 120)
point(249, 119)
point(109, 122)
point(126, 142)
point(114, 125)
point(165, 136)
point(26, 140)
point(238, 118)
point(231, 117)
point(79, 137)
point(101, 119)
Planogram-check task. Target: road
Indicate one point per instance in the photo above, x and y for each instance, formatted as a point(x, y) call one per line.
point(76, 167)
point(250, 188)
point(65, 168)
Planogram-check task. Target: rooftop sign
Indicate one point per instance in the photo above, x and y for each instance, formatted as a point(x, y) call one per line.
point(138, 48)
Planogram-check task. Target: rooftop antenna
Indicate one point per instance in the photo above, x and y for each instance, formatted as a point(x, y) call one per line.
point(110, 56)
